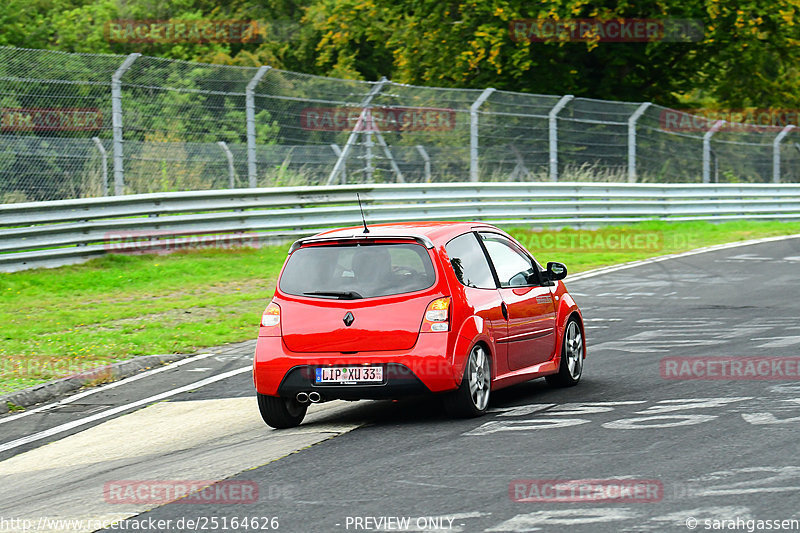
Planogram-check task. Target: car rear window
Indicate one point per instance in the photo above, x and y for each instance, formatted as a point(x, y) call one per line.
point(351, 271)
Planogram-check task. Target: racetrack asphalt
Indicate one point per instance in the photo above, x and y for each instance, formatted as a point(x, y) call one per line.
point(702, 451)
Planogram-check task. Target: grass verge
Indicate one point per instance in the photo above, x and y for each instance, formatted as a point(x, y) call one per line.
point(58, 322)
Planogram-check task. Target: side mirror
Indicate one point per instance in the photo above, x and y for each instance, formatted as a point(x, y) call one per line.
point(555, 271)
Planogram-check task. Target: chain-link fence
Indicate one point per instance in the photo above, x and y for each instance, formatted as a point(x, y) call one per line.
point(83, 125)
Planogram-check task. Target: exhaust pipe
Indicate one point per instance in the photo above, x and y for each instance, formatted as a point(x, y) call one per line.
point(314, 397)
point(302, 397)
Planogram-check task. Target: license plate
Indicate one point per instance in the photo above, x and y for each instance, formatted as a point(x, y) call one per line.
point(350, 374)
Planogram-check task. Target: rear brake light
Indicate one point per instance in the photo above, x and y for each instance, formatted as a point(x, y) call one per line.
point(271, 316)
point(437, 316)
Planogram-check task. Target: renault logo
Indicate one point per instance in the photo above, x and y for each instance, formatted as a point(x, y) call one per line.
point(348, 319)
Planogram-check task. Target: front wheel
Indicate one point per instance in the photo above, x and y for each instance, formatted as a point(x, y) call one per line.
point(571, 367)
point(281, 413)
point(472, 397)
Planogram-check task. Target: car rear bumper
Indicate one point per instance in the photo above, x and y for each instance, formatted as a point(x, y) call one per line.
point(399, 381)
point(424, 368)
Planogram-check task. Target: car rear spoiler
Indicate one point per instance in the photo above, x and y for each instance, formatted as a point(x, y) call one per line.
point(421, 239)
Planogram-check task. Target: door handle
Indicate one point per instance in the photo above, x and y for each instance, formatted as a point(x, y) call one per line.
point(504, 310)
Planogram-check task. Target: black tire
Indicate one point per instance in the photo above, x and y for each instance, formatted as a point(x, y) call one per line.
point(471, 398)
point(281, 413)
point(571, 367)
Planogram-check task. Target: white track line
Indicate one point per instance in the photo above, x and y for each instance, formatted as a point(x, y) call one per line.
point(89, 392)
point(714, 248)
point(116, 410)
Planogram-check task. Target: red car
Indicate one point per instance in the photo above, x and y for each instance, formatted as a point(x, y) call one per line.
point(453, 308)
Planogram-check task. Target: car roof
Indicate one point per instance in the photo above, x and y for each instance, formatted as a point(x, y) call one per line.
point(438, 232)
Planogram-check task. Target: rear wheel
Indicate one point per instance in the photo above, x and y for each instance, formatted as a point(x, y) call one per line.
point(472, 397)
point(571, 367)
point(281, 413)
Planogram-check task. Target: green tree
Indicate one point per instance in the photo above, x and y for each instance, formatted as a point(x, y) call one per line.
point(747, 55)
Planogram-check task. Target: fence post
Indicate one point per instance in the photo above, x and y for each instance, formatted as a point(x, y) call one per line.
point(427, 159)
point(351, 140)
point(776, 153)
point(250, 112)
point(116, 122)
point(473, 133)
point(343, 172)
point(388, 153)
point(632, 140)
point(368, 168)
point(553, 129)
point(103, 162)
point(229, 157)
point(707, 150)
point(519, 169)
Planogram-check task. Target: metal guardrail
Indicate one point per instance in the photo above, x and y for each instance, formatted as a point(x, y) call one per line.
point(54, 233)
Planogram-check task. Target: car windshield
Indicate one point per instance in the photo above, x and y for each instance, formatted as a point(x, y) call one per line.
point(348, 271)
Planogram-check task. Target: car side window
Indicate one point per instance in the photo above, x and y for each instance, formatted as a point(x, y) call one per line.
point(514, 268)
point(469, 262)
